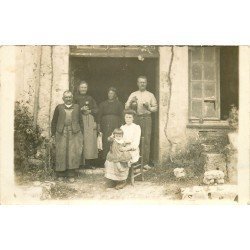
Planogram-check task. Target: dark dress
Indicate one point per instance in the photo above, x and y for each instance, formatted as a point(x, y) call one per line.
point(67, 127)
point(110, 117)
point(90, 127)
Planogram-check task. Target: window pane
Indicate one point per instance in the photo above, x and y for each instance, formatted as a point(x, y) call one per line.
point(196, 54)
point(196, 90)
point(209, 72)
point(196, 72)
point(196, 109)
point(209, 54)
point(209, 90)
point(209, 109)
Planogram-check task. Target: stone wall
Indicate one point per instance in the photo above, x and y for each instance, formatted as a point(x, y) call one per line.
point(41, 79)
point(173, 103)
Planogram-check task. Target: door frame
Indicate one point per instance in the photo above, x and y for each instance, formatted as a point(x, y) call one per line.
point(139, 52)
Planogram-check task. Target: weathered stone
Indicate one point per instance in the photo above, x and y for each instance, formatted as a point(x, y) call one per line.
point(215, 162)
point(219, 192)
point(194, 193)
point(208, 147)
point(225, 192)
point(213, 176)
point(179, 172)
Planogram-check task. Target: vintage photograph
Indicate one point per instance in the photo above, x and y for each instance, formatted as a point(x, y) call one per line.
point(139, 122)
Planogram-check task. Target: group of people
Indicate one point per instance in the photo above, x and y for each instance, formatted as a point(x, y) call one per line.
point(77, 122)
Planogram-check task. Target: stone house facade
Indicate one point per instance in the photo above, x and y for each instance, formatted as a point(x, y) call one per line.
point(194, 86)
point(194, 91)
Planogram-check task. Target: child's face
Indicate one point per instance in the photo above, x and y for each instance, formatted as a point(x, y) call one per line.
point(118, 136)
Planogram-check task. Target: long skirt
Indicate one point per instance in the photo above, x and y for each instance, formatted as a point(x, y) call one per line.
point(145, 123)
point(68, 150)
point(90, 150)
point(108, 124)
point(116, 171)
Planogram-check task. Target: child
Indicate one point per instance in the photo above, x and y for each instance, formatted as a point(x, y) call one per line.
point(118, 150)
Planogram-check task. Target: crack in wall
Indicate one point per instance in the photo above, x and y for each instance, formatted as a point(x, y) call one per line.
point(169, 80)
point(38, 85)
point(50, 102)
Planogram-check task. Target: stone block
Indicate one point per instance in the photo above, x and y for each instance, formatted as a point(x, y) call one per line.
point(179, 172)
point(215, 162)
point(213, 176)
point(219, 192)
point(194, 193)
point(225, 192)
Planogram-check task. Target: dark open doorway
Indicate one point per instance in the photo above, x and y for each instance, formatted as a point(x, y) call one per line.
point(229, 79)
point(121, 73)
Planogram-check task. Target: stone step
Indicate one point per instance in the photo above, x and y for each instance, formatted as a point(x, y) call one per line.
point(218, 192)
point(215, 161)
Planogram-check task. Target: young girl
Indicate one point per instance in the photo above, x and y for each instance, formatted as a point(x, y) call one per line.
point(118, 150)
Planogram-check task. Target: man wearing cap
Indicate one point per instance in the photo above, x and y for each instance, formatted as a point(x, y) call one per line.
point(67, 128)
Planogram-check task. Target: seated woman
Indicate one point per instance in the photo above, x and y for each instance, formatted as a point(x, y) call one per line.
point(116, 172)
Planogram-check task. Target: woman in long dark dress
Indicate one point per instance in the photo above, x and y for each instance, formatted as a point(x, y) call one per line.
point(89, 111)
point(110, 117)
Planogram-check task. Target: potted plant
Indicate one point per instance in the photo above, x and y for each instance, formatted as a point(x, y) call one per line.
point(233, 121)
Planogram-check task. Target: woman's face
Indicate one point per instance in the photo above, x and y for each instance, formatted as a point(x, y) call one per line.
point(83, 88)
point(129, 119)
point(111, 95)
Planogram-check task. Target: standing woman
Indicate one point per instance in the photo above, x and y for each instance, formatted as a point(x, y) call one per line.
point(89, 112)
point(110, 117)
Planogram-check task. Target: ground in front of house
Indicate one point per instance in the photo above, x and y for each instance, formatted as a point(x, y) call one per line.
point(159, 184)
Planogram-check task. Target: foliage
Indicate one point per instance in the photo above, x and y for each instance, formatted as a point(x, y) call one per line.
point(190, 157)
point(27, 137)
point(33, 152)
point(233, 119)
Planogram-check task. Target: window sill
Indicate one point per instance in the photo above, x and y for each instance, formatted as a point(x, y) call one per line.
point(208, 125)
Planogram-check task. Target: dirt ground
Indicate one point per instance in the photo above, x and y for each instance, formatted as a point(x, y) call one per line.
point(159, 184)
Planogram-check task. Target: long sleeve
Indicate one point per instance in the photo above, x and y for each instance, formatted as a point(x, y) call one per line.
point(80, 119)
point(127, 104)
point(153, 104)
point(54, 120)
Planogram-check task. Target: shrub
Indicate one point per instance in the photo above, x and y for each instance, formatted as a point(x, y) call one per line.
point(27, 137)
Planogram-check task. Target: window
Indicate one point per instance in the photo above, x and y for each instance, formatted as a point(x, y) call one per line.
point(204, 83)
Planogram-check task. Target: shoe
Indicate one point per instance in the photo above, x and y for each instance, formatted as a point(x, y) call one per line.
point(121, 185)
point(147, 167)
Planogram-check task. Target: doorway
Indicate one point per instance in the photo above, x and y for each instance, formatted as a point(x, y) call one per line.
point(121, 73)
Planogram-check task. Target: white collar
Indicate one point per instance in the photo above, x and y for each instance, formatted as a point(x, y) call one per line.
point(68, 106)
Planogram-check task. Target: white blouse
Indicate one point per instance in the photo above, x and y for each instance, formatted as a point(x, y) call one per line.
point(132, 133)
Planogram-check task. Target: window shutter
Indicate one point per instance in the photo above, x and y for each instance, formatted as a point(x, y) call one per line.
point(204, 83)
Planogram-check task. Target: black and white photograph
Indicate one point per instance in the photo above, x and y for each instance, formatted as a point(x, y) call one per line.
point(106, 122)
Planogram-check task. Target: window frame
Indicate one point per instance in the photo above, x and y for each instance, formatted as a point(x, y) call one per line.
point(217, 87)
